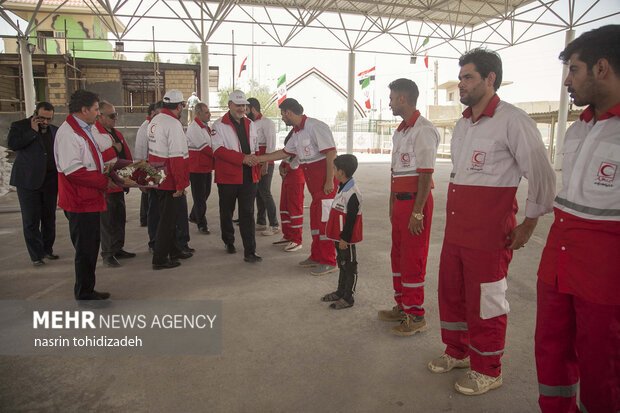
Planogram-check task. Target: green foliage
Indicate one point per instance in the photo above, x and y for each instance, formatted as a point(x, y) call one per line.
point(152, 57)
point(341, 116)
point(194, 55)
point(260, 92)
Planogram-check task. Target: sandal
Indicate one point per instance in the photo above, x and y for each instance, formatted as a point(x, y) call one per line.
point(331, 296)
point(341, 304)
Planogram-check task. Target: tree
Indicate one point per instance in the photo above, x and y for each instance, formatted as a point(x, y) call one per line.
point(260, 92)
point(341, 116)
point(152, 57)
point(194, 55)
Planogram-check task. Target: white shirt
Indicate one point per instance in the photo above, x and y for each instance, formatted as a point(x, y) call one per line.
point(311, 141)
point(141, 151)
point(197, 138)
point(266, 133)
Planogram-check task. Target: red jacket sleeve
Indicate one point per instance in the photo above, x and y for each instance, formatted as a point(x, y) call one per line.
point(180, 171)
point(108, 154)
point(230, 156)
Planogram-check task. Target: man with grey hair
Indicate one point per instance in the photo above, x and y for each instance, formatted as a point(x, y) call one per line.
point(200, 165)
point(113, 218)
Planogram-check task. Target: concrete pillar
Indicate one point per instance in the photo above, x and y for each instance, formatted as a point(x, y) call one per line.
point(28, 77)
point(563, 109)
point(350, 102)
point(204, 73)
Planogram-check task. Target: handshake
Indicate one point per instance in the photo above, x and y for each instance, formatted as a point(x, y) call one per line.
point(251, 160)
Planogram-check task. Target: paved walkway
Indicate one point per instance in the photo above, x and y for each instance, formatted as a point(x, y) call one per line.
point(283, 349)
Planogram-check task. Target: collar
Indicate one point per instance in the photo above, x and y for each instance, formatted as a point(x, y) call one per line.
point(169, 113)
point(148, 118)
point(588, 114)
point(301, 124)
point(260, 115)
point(202, 125)
point(78, 126)
point(227, 119)
point(344, 187)
point(488, 111)
point(82, 124)
point(100, 128)
point(409, 124)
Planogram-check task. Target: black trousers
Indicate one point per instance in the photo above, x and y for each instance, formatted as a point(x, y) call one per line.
point(165, 245)
point(113, 224)
point(152, 216)
point(182, 224)
point(84, 231)
point(201, 189)
point(144, 207)
point(244, 194)
point(264, 200)
point(347, 263)
point(38, 208)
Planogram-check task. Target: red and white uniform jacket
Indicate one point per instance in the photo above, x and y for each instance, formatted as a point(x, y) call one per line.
point(199, 145)
point(227, 151)
point(338, 214)
point(141, 150)
point(101, 134)
point(266, 133)
point(489, 156)
point(582, 252)
point(310, 141)
point(415, 144)
point(168, 144)
point(81, 183)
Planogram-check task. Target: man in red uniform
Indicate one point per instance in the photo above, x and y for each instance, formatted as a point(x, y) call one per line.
point(313, 143)
point(168, 144)
point(414, 152)
point(114, 217)
point(81, 188)
point(200, 165)
point(493, 146)
point(578, 312)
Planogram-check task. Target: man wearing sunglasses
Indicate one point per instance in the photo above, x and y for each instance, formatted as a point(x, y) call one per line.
point(34, 175)
point(114, 217)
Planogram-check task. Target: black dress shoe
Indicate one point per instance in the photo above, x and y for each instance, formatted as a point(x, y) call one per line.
point(252, 258)
point(230, 248)
point(204, 230)
point(51, 256)
point(187, 248)
point(95, 295)
point(38, 263)
point(124, 254)
point(166, 265)
point(182, 255)
point(191, 219)
point(111, 262)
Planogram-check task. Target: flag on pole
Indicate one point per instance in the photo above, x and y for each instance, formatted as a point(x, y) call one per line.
point(365, 78)
point(243, 66)
point(281, 88)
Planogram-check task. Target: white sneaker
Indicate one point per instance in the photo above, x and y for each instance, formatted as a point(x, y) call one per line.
point(271, 231)
point(281, 241)
point(260, 227)
point(292, 246)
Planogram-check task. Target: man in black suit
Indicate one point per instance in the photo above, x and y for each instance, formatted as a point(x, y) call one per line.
point(34, 174)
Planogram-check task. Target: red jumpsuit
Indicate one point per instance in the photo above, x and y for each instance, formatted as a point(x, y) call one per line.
point(578, 312)
point(310, 141)
point(292, 201)
point(414, 151)
point(489, 156)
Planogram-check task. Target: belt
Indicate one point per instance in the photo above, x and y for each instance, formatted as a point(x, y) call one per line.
point(403, 196)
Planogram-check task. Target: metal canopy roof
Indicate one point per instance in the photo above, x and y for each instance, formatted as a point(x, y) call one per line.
point(437, 28)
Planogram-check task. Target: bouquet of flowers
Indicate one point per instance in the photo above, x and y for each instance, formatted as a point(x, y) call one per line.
point(138, 174)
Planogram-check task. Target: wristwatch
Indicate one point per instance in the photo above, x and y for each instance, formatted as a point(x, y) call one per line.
point(418, 216)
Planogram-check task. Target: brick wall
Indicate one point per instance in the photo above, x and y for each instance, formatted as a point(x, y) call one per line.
point(183, 80)
point(106, 82)
point(57, 85)
point(8, 90)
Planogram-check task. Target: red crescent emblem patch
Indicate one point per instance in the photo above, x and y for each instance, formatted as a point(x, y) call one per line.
point(607, 172)
point(478, 158)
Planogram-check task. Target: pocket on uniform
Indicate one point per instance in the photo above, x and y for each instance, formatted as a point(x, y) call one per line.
point(326, 206)
point(493, 299)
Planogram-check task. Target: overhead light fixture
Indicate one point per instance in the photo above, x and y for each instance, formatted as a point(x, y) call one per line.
point(120, 47)
point(413, 59)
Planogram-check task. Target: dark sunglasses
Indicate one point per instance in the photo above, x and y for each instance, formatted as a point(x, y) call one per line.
point(113, 115)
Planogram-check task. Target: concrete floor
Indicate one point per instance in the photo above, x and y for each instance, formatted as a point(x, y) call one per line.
point(283, 349)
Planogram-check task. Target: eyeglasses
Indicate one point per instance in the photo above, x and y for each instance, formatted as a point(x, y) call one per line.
point(44, 118)
point(113, 115)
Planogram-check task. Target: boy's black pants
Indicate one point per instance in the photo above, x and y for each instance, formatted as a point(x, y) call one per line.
point(347, 263)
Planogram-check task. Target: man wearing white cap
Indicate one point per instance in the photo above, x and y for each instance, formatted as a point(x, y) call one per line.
point(235, 147)
point(167, 143)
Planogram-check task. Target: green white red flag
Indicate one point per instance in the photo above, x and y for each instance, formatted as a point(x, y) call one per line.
point(281, 88)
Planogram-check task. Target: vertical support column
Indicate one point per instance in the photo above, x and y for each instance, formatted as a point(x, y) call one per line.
point(563, 109)
point(28, 79)
point(350, 102)
point(204, 73)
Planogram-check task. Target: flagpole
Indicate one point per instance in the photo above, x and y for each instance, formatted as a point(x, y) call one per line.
point(233, 60)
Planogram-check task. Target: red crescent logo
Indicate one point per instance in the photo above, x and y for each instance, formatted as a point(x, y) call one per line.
point(607, 172)
point(477, 157)
point(405, 158)
point(605, 167)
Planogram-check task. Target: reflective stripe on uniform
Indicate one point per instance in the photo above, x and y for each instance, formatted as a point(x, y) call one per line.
point(297, 216)
point(413, 285)
point(323, 238)
point(398, 294)
point(395, 274)
point(486, 353)
point(454, 326)
point(582, 407)
point(296, 226)
point(557, 391)
point(407, 307)
point(588, 210)
point(72, 168)
point(404, 173)
point(314, 232)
